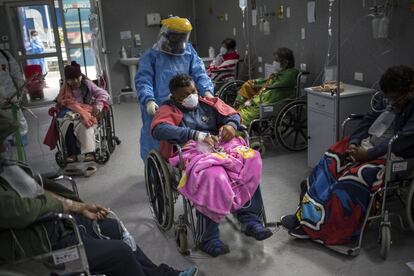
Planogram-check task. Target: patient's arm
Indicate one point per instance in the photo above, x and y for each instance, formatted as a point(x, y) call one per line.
point(174, 134)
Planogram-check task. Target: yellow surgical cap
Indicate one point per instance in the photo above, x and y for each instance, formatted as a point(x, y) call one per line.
point(177, 24)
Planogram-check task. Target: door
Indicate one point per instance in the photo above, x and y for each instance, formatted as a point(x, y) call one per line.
point(36, 42)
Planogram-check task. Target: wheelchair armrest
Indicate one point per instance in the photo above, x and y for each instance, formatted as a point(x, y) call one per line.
point(351, 117)
point(356, 116)
point(222, 70)
point(304, 73)
point(54, 216)
point(51, 175)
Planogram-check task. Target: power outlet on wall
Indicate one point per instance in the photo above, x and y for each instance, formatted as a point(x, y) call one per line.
point(260, 69)
point(358, 76)
point(259, 59)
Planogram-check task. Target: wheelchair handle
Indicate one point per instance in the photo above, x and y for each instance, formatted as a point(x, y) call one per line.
point(351, 117)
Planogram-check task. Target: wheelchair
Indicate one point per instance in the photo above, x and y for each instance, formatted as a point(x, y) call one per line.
point(66, 261)
point(283, 122)
point(398, 189)
point(161, 182)
point(217, 80)
point(106, 139)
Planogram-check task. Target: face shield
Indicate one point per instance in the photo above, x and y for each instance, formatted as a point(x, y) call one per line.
point(171, 42)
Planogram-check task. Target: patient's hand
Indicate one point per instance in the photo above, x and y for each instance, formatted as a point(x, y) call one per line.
point(94, 211)
point(358, 154)
point(211, 140)
point(227, 132)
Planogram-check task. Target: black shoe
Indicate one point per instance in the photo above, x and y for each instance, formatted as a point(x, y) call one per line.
point(298, 233)
point(289, 222)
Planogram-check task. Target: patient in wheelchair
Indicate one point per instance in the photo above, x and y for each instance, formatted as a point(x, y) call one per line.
point(279, 86)
point(226, 60)
point(23, 200)
point(222, 174)
point(81, 101)
point(335, 196)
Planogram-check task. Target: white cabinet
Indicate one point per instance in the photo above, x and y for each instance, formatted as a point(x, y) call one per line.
point(322, 116)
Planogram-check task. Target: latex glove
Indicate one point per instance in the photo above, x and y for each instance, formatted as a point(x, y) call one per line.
point(206, 138)
point(152, 107)
point(208, 94)
point(227, 132)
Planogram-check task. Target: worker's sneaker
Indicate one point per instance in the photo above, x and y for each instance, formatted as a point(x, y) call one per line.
point(214, 247)
point(191, 271)
point(289, 222)
point(298, 233)
point(256, 230)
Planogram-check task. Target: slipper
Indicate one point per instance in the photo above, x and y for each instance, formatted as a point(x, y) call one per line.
point(71, 159)
point(89, 171)
point(73, 172)
point(89, 157)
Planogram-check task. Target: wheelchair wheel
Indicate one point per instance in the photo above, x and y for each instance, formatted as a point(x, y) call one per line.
point(291, 126)
point(181, 239)
point(410, 206)
point(109, 132)
point(228, 92)
point(102, 156)
point(159, 192)
point(385, 241)
point(60, 159)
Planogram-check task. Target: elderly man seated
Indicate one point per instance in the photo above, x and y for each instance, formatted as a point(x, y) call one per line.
point(23, 200)
point(222, 174)
point(335, 196)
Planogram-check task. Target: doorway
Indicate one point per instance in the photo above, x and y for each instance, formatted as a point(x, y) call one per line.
point(36, 40)
point(52, 33)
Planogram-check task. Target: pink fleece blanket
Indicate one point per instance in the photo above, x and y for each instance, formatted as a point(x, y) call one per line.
point(219, 181)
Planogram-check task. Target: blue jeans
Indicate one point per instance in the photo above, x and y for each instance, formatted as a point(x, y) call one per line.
point(207, 229)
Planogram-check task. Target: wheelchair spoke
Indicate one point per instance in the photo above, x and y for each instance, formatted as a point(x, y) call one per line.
point(288, 134)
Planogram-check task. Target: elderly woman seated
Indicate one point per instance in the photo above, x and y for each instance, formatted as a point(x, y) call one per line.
point(279, 86)
point(23, 200)
point(81, 101)
point(335, 196)
point(222, 174)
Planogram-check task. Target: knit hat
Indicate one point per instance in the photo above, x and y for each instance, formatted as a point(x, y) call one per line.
point(72, 71)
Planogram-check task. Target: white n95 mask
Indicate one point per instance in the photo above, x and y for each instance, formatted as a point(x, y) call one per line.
point(191, 101)
point(223, 50)
point(276, 66)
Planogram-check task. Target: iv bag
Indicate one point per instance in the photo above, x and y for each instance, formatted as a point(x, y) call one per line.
point(383, 27)
point(266, 28)
point(243, 4)
point(375, 27)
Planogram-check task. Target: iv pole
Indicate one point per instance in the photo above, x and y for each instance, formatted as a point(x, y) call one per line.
point(81, 35)
point(338, 71)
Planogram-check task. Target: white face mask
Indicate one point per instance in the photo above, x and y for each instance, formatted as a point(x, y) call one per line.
point(276, 65)
point(223, 50)
point(191, 101)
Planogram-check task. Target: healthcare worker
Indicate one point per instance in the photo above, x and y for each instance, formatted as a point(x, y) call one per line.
point(172, 54)
point(36, 47)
